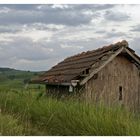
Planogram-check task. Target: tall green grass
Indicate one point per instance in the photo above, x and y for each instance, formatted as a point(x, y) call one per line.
point(47, 116)
point(10, 126)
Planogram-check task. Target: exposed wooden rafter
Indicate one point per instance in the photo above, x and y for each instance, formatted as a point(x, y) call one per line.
point(133, 56)
point(102, 66)
point(123, 49)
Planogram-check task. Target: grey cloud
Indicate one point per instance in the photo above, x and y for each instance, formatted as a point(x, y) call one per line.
point(94, 7)
point(10, 29)
point(116, 16)
point(134, 44)
point(24, 48)
point(48, 7)
point(49, 16)
point(136, 28)
point(20, 6)
point(114, 34)
point(72, 15)
point(91, 44)
point(100, 31)
point(41, 26)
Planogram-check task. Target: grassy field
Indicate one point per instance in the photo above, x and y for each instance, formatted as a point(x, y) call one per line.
point(28, 111)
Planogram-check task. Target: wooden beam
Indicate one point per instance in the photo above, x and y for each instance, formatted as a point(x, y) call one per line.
point(102, 66)
point(59, 84)
point(133, 56)
point(46, 83)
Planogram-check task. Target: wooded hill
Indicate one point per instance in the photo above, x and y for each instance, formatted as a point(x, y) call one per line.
point(11, 77)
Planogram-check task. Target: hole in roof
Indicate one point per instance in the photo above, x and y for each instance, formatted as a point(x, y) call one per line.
point(86, 71)
point(95, 76)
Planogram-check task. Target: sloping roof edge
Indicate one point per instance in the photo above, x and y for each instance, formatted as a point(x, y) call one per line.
point(122, 49)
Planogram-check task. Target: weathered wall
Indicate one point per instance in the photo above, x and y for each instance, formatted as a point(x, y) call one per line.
point(62, 91)
point(119, 72)
point(57, 91)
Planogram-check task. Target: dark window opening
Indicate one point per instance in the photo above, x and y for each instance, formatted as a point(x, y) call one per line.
point(83, 72)
point(120, 93)
point(87, 71)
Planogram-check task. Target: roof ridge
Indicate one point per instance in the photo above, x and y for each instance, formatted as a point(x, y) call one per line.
point(120, 43)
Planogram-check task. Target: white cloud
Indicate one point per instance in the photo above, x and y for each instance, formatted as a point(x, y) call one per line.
point(64, 46)
point(4, 10)
point(32, 33)
point(60, 6)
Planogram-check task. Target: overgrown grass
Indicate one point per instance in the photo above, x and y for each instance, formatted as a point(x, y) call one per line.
point(47, 116)
point(10, 126)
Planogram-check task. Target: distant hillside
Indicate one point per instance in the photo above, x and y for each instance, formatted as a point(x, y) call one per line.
point(13, 77)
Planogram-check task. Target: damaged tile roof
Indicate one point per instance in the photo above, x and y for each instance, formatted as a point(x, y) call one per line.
point(78, 66)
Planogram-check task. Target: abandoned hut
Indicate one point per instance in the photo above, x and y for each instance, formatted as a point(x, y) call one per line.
point(110, 74)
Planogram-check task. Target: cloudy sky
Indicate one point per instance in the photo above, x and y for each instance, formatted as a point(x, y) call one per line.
point(36, 37)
